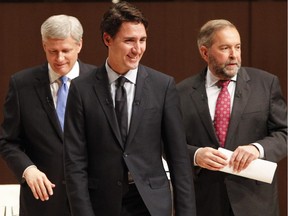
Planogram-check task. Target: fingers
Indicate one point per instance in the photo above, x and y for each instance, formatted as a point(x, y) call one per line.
point(44, 188)
point(242, 157)
point(211, 159)
point(39, 184)
point(49, 187)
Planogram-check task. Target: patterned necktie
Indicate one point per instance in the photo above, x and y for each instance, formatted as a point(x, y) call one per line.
point(222, 112)
point(121, 107)
point(61, 100)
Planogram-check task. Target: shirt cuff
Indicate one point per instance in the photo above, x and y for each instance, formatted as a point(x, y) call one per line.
point(194, 160)
point(260, 149)
point(31, 166)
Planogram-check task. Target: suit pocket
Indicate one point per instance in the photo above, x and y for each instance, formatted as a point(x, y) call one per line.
point(151, 113)
point(256, 114)
point(158, 182)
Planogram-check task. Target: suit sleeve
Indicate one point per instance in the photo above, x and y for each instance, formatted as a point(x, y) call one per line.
point(275, 143)
point(75, 156)
point(12, 144)
point(177, 155)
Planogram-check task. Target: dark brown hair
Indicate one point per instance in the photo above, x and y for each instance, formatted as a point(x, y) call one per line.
point(118, 14)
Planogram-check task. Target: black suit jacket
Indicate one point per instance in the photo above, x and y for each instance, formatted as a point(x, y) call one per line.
point(32, 135)
point(259, 115)
point(96, 158)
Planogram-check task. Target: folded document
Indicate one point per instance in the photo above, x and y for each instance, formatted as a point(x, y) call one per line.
point(258, 169)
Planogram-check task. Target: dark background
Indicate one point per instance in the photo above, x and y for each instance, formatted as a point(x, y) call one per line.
point(171, 45)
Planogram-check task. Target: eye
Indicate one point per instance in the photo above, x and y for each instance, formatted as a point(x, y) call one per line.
point(129, 40)
point(52, 51)
point(143, 40)
point(224, 48)
point(66, 51)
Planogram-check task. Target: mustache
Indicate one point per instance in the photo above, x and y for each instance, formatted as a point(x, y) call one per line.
point(232, 63)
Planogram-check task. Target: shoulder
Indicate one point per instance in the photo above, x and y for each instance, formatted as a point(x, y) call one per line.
point(154, 74)
point(84, 67)
point(88, 76)
point(30, 76)
point(192, 81)
point(187, 81)
point(256, 72)
point(255, 75)
point(91, 76)
point(30, 72)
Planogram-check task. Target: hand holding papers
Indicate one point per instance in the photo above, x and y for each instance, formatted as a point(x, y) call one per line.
point(260, 170)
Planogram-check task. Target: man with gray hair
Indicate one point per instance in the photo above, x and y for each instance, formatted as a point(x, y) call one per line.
point(31, 140)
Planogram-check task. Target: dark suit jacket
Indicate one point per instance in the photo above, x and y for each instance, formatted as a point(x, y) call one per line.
point(259, 115)
point(31, 134)
point(95, 156)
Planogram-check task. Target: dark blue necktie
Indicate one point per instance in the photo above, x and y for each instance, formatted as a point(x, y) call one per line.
point(61, 100)
point(121, 107)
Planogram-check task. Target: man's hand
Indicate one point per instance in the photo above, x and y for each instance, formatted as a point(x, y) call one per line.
point(211, 159)
point(39, 184)
point(242, 157)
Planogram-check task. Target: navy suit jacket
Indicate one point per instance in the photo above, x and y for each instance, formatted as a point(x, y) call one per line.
point(259, 115)
point(96, 159)
point(31, 135)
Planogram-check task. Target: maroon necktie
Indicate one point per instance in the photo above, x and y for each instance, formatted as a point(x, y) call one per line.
point(222, 112)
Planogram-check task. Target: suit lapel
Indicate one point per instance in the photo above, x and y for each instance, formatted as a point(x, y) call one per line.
point(140, 98)
point(103, 94)
point(199, 97)
point(42, 87)
point(241, 97)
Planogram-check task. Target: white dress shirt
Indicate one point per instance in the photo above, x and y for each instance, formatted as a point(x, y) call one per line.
point(129, 86)
point(213, 91)
point(55, 82)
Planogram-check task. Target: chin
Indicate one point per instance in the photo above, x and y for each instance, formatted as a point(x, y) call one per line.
point(231, 73)
point(133, 66)
point(62, 72)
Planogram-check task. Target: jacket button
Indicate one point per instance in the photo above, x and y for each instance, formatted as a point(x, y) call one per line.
point(119, 183)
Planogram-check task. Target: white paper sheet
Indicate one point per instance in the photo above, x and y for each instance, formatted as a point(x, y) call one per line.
point(261, 170)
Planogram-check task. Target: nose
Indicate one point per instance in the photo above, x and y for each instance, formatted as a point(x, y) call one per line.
point(232, 53)
point(136, 48)
point(60, 56)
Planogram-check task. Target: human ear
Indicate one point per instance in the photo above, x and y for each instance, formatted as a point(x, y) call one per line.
point(106, 39)
point(204, 52)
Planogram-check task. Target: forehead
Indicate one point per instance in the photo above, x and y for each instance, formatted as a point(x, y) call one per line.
point(60, 44)
point(227, 35)
point(132, 29)
point(59, 40)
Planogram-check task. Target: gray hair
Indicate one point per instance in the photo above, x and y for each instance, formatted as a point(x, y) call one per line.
point(205, 36)
point(62, 27)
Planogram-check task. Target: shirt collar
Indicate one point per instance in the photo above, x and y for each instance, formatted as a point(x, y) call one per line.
point(73, 73)
point(131, 75)
point(211, 79)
